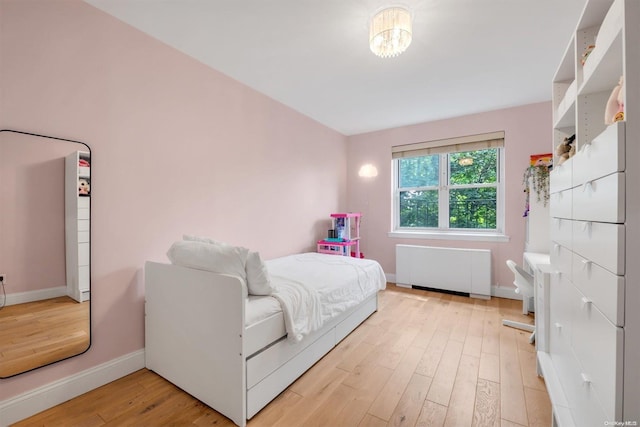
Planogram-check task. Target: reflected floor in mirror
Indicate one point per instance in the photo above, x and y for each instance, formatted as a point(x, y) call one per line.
point(38, 333)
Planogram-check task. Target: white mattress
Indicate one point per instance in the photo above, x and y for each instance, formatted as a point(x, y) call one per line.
point(317, 288)
point(259, 308)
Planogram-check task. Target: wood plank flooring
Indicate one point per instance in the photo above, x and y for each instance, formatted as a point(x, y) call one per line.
point(41, 332)
point(424, 359)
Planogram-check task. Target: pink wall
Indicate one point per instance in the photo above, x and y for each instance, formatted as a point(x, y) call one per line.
point(527, 131)
point(176, 148)
point(32, 214)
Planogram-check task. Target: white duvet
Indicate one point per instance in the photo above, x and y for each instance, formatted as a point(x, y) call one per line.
point(314, 288)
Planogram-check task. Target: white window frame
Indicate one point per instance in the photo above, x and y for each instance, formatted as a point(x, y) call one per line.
point(443, 148)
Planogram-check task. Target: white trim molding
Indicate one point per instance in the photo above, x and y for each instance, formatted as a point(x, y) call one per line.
point(450, 235)
point(40, 294)
point(49, 395)
point(508, 292)
point(496, 291)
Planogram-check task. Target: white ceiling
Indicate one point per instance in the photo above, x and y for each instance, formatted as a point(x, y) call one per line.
point(467, 56)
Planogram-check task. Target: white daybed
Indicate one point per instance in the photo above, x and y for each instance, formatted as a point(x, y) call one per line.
point(206, 336)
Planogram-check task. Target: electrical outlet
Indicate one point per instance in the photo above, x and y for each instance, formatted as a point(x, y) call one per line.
point(3, 279)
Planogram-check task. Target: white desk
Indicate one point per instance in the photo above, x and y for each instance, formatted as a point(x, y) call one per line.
point(540, 266)
point(530, 262)
point(532, 259)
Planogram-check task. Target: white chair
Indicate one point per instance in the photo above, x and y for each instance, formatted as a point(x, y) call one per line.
point(524, 287)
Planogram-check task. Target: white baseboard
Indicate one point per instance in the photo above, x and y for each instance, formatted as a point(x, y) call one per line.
point(40, 294)
point(508, 292)
point(30, 403)
point(496, 291)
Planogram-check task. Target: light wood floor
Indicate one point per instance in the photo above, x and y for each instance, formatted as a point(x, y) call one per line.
point(41, 332)
point(424, 359)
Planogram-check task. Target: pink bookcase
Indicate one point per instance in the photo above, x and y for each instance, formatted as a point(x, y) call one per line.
point(347, 240)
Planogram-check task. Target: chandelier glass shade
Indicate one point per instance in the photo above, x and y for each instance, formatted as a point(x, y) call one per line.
point(390, 32)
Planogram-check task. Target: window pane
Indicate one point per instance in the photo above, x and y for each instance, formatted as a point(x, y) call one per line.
point(472, 208)
point(418, 171)
point(474, 167)
point(419, 208)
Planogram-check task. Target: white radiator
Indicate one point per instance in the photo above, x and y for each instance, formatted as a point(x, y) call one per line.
point(450, 269)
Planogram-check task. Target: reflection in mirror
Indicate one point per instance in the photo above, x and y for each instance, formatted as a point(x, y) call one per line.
point(45, 206)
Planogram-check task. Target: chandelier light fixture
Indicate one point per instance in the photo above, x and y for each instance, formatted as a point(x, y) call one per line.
point(390, 32)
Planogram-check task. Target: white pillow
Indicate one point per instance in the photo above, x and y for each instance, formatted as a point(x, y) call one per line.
point(258, 280)
point(205, 256)
point(257, 276)
point(194, 238)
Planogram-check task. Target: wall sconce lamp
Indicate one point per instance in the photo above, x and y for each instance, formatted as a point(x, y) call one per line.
point(368, 171)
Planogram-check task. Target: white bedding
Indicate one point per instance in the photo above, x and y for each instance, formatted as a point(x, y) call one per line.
point(311, 294)
point(259, 308)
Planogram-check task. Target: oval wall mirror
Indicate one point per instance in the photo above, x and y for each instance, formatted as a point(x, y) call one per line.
point(45, 251)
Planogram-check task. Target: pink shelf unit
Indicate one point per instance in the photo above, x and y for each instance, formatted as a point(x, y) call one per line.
point(347, 226)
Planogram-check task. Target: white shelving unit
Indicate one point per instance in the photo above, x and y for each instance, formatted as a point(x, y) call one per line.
point(77, 227)
point(591, 363)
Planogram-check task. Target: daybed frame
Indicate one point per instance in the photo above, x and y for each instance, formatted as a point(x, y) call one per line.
point(196, 338)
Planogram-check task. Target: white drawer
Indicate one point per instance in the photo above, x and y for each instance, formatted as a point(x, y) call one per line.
point(586, 408)
point(598, 346)
point(83, 254)
point(542, 325)
point(268, 362)
point(560, 325)
point(561, 231)
point(601, 199)
point(560, 177)
point(604, 288)
point(561, 261)
point(84, 279)
point(582, 401)
point(560, 204)
point(602, 157)
point(83, 202)
point(560, 312)
point(83, 213)
point(83, 236)
point(83, 225)
point(542, 282)
point(601, 243)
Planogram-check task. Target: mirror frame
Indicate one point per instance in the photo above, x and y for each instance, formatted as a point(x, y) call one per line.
point(90, 255)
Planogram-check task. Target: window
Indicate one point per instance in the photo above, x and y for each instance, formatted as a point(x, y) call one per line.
point(449, 185)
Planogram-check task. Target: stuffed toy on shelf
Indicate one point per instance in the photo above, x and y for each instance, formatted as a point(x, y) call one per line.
point(614, 111)
point(84, 187)
point(566, 149)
